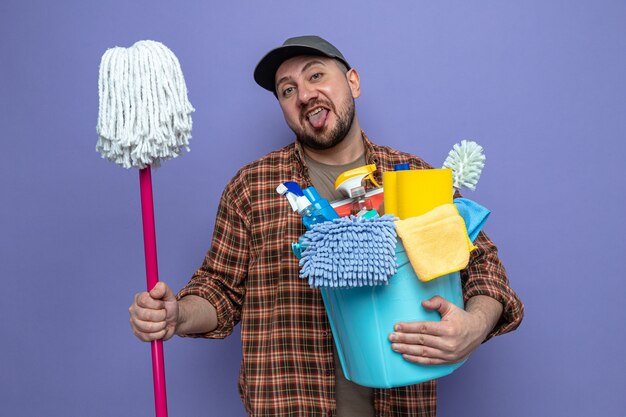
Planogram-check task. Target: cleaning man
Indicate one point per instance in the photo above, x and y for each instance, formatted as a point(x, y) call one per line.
point(250, 275)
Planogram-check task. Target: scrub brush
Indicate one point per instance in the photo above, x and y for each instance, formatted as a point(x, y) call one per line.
point(466, 160)
point(144, 117)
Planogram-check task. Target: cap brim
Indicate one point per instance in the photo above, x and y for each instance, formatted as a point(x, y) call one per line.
point(265, 71)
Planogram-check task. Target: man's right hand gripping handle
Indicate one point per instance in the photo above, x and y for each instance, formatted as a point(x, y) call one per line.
point(154, 314)
point(158, 315)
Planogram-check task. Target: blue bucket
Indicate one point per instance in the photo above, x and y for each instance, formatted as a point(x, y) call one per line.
point(362, 318)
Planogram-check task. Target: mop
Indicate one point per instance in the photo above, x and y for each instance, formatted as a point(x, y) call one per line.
point(144, 117)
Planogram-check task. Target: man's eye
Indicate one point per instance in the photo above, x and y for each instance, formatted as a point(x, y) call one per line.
point(287, 91)
point(316, 76)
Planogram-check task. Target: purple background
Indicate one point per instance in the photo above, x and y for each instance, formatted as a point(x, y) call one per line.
point(541, 85)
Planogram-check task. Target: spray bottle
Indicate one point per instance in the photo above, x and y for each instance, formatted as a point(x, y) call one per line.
point(322, 210)
point(298, 202)
point(350, 183)
point(308, 204)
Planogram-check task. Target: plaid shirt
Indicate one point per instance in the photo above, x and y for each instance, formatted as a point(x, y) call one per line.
point(250, 275)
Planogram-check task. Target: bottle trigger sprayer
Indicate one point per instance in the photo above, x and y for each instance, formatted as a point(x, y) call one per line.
point(350, 183)
point(298, 202)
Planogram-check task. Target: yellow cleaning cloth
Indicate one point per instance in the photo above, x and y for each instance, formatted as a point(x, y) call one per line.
point(436, 242)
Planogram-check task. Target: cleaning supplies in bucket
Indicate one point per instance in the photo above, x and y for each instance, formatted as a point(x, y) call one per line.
point(361, 311)
point(410, 193)
point(349, 252)
point(466, 160)
point(474, 215)
point(436, 242)
point(361, 317)
point(308, 203)
point(351, 184)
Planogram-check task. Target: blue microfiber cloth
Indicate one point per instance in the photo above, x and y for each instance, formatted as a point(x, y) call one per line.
point(350, 252)
point(473, 214)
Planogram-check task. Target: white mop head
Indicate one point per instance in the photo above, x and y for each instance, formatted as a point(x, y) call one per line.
point(144, 116)
point(466, 160)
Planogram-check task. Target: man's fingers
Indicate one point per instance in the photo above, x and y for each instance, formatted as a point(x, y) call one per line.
point(425, 361)
point(435, 328)
point(169, 295)
point(439, 304)
point(153, 314)
point(162, 291)
point(421, 351)
point(420, 339)
point(145, 300)
point(148, 326)
point(147, 314)
point(149, 337)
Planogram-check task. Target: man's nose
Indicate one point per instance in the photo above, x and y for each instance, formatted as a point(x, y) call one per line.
point(305, 94)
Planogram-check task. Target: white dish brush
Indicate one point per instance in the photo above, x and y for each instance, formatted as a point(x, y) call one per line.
point(466, 160)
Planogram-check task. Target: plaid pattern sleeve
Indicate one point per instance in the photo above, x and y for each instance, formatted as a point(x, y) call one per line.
point(250, 275)
point(221, 278)
point(485, 275)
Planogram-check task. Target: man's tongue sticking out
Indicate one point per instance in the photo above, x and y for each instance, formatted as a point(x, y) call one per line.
point(318, 118)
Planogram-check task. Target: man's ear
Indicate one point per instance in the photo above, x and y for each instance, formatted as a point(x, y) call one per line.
point(354, 81)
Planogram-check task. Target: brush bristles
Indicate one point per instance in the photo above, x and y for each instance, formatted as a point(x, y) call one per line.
point(144, 115)
point(466, 160)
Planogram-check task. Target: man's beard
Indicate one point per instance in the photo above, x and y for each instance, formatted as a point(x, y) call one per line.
point(327, 139)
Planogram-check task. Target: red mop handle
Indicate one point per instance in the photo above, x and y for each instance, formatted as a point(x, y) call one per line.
point(152, 277)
